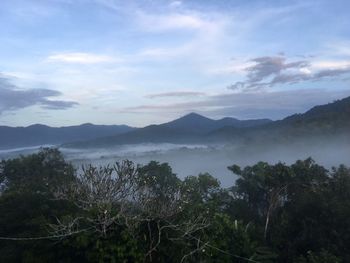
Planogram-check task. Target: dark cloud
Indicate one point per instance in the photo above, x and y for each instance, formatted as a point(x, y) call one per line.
point(269, 66)
point(13, 98)
point(289, 78)
point(239, 85)
point(176, 94)
point(256, 101)
point(247, 105)
point(269, 71)
point(332, 73)
point(58, 104)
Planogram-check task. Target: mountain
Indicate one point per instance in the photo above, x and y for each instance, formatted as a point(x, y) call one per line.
point(190, 128)
point(334, 115)
point(12, 137)
point(198, 124)
point(328, 122)
point(325, 122)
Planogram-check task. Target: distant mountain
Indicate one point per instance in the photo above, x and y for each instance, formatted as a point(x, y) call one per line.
point(328, 121)
point(334, 115)
point(11, 137)
point(190, 128)
point(198, 124)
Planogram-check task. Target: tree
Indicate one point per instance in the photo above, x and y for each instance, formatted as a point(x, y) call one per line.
point(43, 172)
point(28, 205)
point(144, 203)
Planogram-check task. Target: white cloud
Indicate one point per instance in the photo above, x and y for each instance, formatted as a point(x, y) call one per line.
point(174, 94)
point(338, 48)
point(111, 4)
point(80, 58)
point(234, 66)
point(306, 71)
point(331, 64)
point(208, 32)
point(172, 21)
point(175, 4)
point(165, 53)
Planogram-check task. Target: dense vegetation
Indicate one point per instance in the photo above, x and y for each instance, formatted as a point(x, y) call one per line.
point(128, 213)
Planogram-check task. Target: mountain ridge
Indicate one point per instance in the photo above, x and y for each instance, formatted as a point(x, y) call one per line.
point(327, 120)
point(190, 128)
point(39, 134)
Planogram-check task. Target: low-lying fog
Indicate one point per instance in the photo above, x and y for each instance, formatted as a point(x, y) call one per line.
point(194, 159)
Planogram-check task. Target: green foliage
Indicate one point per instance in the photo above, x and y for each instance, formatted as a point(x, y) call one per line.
point(159, 180)
point(27, 205)
point(40, 173)
point(322, 257)
point(264, 255)
point(125, 213)
point(231, 236)
point(305, 206)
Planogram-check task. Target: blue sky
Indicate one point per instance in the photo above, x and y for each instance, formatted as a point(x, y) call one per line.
point(66, 62)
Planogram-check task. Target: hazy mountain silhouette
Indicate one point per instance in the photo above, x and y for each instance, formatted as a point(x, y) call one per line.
point(198, 124)
point(328, 121)
point(38, 134)
point(191, 128)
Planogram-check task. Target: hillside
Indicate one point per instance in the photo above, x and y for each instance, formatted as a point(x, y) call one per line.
point(191, 128)
point(198, 124)
point(38, 134)
point(329, 121)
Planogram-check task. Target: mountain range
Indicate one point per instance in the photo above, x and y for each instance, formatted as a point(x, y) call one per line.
point(37, 134)
point(325, 121)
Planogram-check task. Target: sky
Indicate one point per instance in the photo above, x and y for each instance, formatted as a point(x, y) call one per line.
point(140, 62)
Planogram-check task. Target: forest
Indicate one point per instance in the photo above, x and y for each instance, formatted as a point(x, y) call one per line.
point(125, 212)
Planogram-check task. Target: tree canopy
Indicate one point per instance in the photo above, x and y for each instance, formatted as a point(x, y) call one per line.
point(125, 212)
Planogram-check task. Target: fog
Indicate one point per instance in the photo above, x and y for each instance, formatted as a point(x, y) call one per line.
point(192, 159)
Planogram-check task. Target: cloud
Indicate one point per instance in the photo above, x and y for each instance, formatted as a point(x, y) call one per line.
point(269, 71)
point(331, 64)
point(331, 73)
point(198, 36)
point(181, 20)
point(247, 105)
point(58, 104)
point(269, 66)
point(175, 4)
point(239, 85)
point(173, 21)
point(112, 4)
point(12, 98)
point(165, 53)
point(80, 58)
point(175, 94)
point(340, 48)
